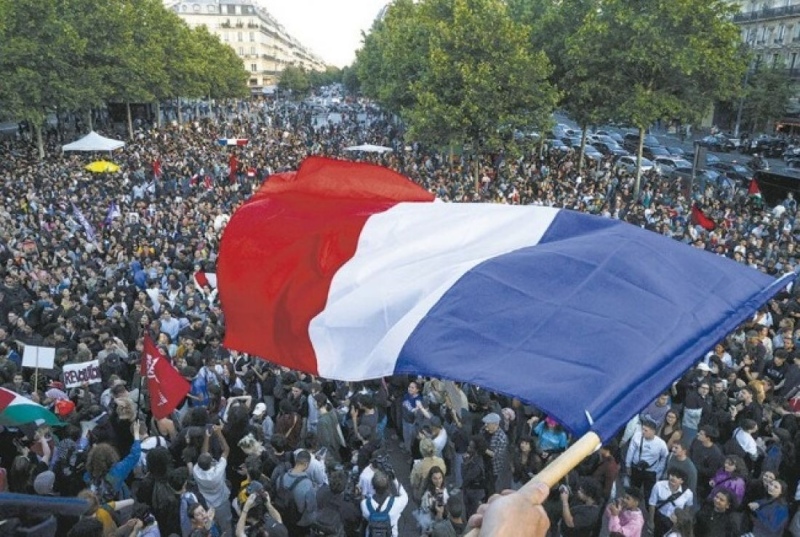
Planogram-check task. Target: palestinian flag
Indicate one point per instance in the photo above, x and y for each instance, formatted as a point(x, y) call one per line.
point(16, 410)
point(753, 191)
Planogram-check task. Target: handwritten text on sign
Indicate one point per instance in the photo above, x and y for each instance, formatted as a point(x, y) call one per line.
point(78, 374)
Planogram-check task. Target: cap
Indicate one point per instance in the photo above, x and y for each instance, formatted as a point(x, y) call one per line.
point(43, 484)
point(702, 366)
point(550, 422)
point(259, 410)
point(491, 417)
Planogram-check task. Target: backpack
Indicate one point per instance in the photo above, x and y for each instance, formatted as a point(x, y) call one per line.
point(69, 470)
point(284, 500)
point(379, 522)
point(327, 523)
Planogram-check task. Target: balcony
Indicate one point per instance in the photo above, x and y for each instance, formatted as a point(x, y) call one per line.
point(767, 14)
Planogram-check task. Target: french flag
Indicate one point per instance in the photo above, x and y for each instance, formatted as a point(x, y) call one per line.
point(351, 271)
point(233, 141)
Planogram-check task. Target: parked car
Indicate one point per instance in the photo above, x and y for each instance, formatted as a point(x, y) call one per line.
point(710, 158)
point(558, 146)
point(716, 142)
point(609, 148)
point(685, 172)
point(767, 146)
point(737, 172)
point(617, 137)
point(590, 152)
point(676, 151)
point(665, 165)
point(631, 141)
point(628, 164)
point(654, 151)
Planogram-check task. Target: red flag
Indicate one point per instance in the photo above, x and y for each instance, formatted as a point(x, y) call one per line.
point(166, 386)
point(699, 218)
point(233, 164)
point(753, 189)
point(157, 169)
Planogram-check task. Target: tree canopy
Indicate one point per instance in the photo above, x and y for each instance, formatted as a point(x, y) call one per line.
point(73, 56)
point(457, 71)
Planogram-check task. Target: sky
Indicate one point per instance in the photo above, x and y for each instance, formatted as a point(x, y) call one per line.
point(331, 29)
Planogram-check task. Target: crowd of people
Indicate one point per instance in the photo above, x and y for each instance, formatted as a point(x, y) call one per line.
point(92, 263)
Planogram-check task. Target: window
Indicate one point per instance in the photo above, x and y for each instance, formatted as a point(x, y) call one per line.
point(196, 8)
point(254, 67)
point(231, 10)
point(226, 37)
point(212, 9)
point(239, 36)
point(252, 36)
point(775, 59)
point(241, 51)
point(252, 50)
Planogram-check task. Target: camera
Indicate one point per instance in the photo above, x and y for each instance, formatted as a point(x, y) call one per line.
point(564, 488)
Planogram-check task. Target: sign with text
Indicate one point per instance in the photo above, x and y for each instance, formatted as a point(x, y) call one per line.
point(78, 374)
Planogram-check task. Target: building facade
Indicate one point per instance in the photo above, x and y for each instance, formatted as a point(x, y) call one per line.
point(258, 39)
point(771, 30)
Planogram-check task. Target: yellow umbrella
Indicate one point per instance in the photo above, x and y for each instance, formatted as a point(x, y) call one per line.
point(102, 166)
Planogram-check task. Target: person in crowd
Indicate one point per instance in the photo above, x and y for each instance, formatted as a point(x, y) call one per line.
point(770, 515)
point(646, 457)
point(580, 514)
point(388, 496)
point(209, 474)
point(717, 517)
point(732, 477)
point(667, 496)
point(434, 497)
point(625, 514)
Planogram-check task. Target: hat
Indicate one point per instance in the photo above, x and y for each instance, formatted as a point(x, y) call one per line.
point(491, 417)
point(702, 366)
point(64, 407)
point(550, 422)
point(259, 410)
point(56, 384)
point(43, 484)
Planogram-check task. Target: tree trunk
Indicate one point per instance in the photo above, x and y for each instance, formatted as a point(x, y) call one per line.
point(130, 120)
point(37, 127)
point(583, 147)
point(180, 113)
point(158, 114)
point(637, 183)
point(90, 121)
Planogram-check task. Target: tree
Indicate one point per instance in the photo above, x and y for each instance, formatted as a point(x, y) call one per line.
point(766, 97)
point(457, 71)
point(350, 80)
point(660, 58)
point(294, 79)
point(37, 60)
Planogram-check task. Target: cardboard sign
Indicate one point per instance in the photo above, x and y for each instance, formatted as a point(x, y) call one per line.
point(39, 357)
point(77, 374)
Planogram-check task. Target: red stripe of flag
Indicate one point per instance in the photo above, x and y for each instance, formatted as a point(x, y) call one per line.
point(275, 266)
point(699, 218)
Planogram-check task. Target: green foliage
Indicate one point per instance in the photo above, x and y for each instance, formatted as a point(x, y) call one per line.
point(331, 75)
point(766, 97)
point(456, 71)
point(58, 55)
point(656, 59)
point(296, 80)
point(350, 80)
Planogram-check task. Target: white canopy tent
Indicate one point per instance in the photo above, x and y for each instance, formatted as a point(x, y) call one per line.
point(368, 148)
point(93, 142)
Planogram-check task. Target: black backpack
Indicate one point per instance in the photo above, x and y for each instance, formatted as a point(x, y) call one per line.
point(284, 499)
point(328, 523)
point(379, 522)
